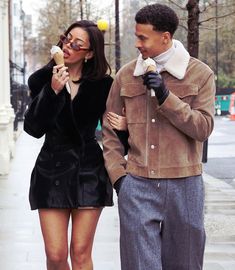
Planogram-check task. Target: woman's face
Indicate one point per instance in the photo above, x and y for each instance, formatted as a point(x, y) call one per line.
point(77, 48)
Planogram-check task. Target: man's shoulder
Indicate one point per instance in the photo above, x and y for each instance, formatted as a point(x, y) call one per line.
point(197, 64)
point(128, 67)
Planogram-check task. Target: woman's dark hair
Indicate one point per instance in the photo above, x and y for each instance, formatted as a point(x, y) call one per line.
point(96, 67)
point(162, 17)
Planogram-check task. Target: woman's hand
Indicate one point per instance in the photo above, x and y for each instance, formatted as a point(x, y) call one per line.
point(117, 121)
point(60, 78)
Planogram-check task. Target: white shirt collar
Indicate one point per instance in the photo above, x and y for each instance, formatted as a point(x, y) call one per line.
point(175, 61)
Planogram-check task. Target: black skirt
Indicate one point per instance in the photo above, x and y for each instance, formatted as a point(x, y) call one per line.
point(62, 178)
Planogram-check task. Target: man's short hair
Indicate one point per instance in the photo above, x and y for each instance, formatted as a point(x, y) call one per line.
point(162, 17)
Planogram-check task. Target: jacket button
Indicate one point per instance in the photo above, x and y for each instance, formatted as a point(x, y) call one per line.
point(152, 146)
point(153, 120)
point(152, 172)
point(57, 182)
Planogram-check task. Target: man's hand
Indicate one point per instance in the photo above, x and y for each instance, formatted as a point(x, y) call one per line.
point(153, 80)
point(117, 185)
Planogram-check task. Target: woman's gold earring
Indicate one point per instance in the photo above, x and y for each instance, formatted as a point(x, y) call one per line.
point(85, 60)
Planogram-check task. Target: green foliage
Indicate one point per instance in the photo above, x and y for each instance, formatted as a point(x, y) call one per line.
point(225, 81)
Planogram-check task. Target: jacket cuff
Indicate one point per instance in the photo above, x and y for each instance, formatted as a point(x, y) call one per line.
point(116, 174)
point(49, 92)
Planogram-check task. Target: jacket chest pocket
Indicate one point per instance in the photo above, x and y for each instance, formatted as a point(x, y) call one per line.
point(186, 92)
point(135, 101)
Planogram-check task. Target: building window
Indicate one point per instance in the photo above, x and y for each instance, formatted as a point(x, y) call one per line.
point(15, 9)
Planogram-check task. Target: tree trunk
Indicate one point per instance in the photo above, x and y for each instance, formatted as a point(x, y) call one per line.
point(193, 45)
point(81, 9)
point(193, 27)
point(117, 38)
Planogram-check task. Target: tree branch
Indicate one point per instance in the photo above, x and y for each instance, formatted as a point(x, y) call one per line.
point(177, 5)
point(184, 27)
point(218, 17)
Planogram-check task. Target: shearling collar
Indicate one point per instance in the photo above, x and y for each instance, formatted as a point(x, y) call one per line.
point(176, 65)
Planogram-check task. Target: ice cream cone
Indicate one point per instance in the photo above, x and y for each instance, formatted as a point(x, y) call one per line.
point(57, 55)
point(149, 65)
point(59, 58)
point(151, 68)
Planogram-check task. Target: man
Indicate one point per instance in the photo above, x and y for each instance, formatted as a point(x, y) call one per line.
point(159, 185)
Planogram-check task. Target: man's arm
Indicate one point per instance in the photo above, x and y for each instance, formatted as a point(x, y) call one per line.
point(195, 119)
point(113, 149)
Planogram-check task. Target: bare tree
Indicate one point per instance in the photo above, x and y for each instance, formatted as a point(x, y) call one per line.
point(193, 27)
point(117, 38)
point(198, 9)
point(54, 18)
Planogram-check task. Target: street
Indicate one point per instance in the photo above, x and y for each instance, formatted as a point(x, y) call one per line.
point(220, 197)
point(221, 150)
point(21, 245)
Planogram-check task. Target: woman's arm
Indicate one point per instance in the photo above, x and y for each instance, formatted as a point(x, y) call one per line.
point(45, 105)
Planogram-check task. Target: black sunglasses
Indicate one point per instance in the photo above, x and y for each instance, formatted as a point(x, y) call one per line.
point(74, 45)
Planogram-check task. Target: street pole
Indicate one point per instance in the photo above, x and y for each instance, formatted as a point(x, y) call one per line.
point(117, 38)
point(216, 45)
point(81, 9)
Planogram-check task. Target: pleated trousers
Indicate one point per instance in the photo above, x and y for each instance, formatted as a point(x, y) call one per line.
point(161, 223)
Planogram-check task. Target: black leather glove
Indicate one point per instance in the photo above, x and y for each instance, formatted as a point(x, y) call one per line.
point(117, 185)
point(153, 80)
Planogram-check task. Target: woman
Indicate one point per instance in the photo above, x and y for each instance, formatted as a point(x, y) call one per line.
point(69, 178)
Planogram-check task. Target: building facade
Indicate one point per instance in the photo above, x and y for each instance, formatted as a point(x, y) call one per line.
point(20, 29)
point(7, 116)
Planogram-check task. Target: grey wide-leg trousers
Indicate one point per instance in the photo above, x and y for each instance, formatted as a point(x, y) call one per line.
point(161, 223)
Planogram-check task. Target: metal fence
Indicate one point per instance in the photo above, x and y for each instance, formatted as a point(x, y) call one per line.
point(19, 92)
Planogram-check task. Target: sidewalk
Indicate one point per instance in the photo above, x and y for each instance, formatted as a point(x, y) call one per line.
point(21, 245)
point(220, 225)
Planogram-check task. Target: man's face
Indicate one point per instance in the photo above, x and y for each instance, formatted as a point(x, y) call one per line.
point(150, 42)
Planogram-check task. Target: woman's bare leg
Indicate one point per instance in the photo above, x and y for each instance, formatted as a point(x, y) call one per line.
point(84, 222)
point(54, 226)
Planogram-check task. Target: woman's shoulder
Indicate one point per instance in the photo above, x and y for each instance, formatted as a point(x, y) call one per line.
point(103, 83)
point(107, 79)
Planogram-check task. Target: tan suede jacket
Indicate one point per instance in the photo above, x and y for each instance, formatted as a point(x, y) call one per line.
point(165, 141)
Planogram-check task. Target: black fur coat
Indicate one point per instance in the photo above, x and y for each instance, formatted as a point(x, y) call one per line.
point(69, 171)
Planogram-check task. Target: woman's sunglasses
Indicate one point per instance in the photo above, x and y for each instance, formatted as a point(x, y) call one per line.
point(74, 45)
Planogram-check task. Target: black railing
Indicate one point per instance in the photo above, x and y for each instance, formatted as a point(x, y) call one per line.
point(19, 92)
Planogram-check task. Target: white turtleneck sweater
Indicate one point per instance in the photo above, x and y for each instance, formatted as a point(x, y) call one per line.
point(175, 61)
point(162, 58)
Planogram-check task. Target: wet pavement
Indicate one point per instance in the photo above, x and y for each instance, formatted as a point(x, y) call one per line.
point(21, 245)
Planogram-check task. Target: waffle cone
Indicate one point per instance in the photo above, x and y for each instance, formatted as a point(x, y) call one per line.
point(151, 68)
point(59, 58)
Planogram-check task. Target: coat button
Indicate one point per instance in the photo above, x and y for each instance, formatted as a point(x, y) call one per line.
point(57, 182)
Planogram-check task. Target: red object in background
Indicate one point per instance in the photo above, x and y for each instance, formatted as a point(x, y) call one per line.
point(232, 107)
